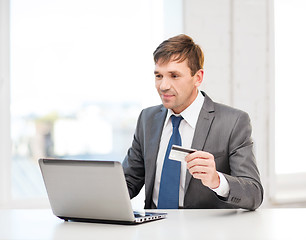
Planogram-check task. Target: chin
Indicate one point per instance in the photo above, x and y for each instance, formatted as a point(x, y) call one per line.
point(168, 106)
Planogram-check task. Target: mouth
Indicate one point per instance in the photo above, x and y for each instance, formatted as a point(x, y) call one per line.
point(167, 96)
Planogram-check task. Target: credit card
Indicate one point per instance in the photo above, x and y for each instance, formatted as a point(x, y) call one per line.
point(179, 153)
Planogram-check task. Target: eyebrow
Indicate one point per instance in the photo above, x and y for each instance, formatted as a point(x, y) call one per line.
point(171, 72)
point(174, 72)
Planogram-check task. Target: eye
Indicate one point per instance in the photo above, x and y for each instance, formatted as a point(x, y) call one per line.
point(158, 76)
point(174, 76)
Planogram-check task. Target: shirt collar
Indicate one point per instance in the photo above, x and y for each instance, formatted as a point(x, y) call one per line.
point(191, 113)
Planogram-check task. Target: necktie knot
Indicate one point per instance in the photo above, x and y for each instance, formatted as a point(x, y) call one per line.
point(176, 121)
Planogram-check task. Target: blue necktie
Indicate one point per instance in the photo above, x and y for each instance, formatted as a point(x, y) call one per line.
point(168, 197)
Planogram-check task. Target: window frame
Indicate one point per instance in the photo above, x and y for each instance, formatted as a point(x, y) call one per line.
point(5, 144)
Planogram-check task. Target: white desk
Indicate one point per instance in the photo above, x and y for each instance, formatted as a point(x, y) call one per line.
point(180, 224)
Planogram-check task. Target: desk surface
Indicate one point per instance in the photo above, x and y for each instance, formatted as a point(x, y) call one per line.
point(180, 224)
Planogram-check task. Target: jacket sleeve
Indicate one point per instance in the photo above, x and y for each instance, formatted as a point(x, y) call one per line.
point(133, 164)
point(245, 187)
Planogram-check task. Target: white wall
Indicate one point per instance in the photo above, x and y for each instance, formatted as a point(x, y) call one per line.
point(235, 36)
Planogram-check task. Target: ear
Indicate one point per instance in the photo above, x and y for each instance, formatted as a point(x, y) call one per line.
point(199, 77)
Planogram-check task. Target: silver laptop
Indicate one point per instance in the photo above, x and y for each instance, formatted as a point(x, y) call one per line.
point(90, 190)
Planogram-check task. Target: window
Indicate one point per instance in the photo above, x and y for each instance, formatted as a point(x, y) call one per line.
point(81, 71)
point(290, 77)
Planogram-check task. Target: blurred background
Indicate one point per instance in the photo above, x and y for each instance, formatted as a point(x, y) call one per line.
point(75, 74)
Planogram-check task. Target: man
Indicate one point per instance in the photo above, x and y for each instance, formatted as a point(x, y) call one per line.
point(222, 173)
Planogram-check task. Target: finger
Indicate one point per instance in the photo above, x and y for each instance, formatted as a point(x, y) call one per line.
point(201, 162)
point(198, 169)
point(198, 154)
point(201, 176)
point(202, 169)
point(197, 162)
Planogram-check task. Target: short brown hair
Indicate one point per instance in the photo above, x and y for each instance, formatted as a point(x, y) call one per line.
point(179, 48)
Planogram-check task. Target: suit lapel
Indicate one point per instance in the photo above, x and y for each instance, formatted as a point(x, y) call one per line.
point(204, 122)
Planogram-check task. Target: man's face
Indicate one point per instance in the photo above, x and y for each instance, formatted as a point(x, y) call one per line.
point(175, 85)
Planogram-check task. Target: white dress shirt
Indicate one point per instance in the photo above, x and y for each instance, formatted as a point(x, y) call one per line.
point(186, 129)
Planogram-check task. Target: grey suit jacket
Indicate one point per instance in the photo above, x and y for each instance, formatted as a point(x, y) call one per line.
point(222, 131)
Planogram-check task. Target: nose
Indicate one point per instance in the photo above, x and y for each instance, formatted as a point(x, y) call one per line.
point(165, 84)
